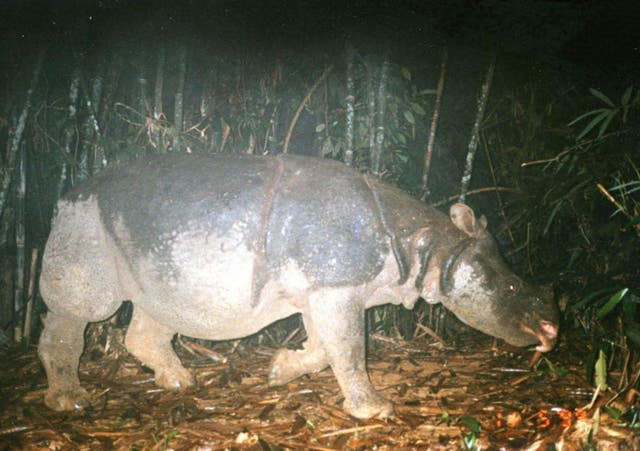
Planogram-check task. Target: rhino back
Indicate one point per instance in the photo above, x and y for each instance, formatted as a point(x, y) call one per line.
point(148, 202)
point(318, 214)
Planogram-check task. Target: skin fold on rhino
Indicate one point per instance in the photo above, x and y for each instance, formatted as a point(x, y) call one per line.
point(218, 247)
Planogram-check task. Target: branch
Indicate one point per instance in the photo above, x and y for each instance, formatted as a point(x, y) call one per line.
point(287, 139)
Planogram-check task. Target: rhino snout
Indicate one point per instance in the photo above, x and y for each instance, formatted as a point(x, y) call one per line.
point(546, 333)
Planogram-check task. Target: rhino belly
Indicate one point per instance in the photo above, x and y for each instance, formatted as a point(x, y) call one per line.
point(200, 284)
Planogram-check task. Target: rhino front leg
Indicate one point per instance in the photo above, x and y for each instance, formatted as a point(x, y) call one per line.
point(60, 347)
point(150, 342)
point(288, 365)
point(339, 321)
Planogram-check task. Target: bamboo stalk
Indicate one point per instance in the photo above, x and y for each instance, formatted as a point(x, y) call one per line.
point(178, 112)
point(26, 334)
point(99, 160)
point(473, 142)
point(381, 104)
point(434, 126)
point(92, 135)
point(18, 288)
point(14, 145)
point(17, 146)
point(143, 84)
point(349, 105)
point(157, 100)
point(70, 138)
point(371, 109)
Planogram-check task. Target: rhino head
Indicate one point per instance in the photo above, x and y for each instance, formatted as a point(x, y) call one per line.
point(479, 288)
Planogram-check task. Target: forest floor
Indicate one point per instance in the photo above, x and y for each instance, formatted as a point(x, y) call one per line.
point(473, 394)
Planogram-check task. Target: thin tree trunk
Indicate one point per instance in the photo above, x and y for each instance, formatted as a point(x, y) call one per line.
point(434, 126)
point(99, 159)
point(18, 286)
point(14, 145)
point(179, 97)
point(371, 110)
point(324, 120)
point(28, 314)
point(473, 142)
point(143, 83)
point(349, 101)
point(70, 136)
point(157, 100)
point(381, 104)
point(92, 135)
point(114, 73)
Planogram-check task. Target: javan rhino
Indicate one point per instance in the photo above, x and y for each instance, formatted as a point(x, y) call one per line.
point(218, 247)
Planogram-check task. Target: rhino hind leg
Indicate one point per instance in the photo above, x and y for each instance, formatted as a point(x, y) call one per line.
point(150, 342)
point(288, 365)
point(340, 326)
point(60, 347)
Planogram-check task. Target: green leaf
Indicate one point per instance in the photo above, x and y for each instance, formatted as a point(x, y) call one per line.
point(417, 108)
point(625, 113)
point(472, 423)
point(406, 73)
point(614, 413)
point(632, 331)
point(605, 123)
point(587, 114)
point(601, 371)
point(602, 97)
point(426, 92)
point(444, 418)
point(626, 96)
point(630, 306)
point(593, 123)
point(553, 215)
point(588, 298)
point(611, 303)
point(408, 115)
point(319, 128)
point(469, 441)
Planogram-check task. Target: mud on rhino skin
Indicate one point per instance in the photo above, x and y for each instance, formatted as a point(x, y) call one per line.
point(218, 247)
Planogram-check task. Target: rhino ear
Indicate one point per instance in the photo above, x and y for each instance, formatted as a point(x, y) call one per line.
point(483, 222)
point(464, 219)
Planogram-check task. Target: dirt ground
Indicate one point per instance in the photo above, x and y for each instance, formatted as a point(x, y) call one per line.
point(471, 393)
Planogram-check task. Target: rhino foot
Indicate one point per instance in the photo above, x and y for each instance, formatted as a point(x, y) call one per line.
point(150, 342)
point(340, 327)
point(69, 399)
point(288, 365)
point(59, 349)
point(373, 406)
point(176, 378)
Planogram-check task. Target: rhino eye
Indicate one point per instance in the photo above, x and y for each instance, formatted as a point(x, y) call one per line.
point(511, 287)
point(516, 286)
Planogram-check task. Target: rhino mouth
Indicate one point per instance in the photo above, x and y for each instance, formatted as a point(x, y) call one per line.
point(546, 333)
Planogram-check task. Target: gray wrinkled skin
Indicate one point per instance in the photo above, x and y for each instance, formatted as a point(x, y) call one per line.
point(218, 247)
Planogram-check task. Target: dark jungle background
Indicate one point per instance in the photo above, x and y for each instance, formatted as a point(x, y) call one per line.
point(556, 168)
